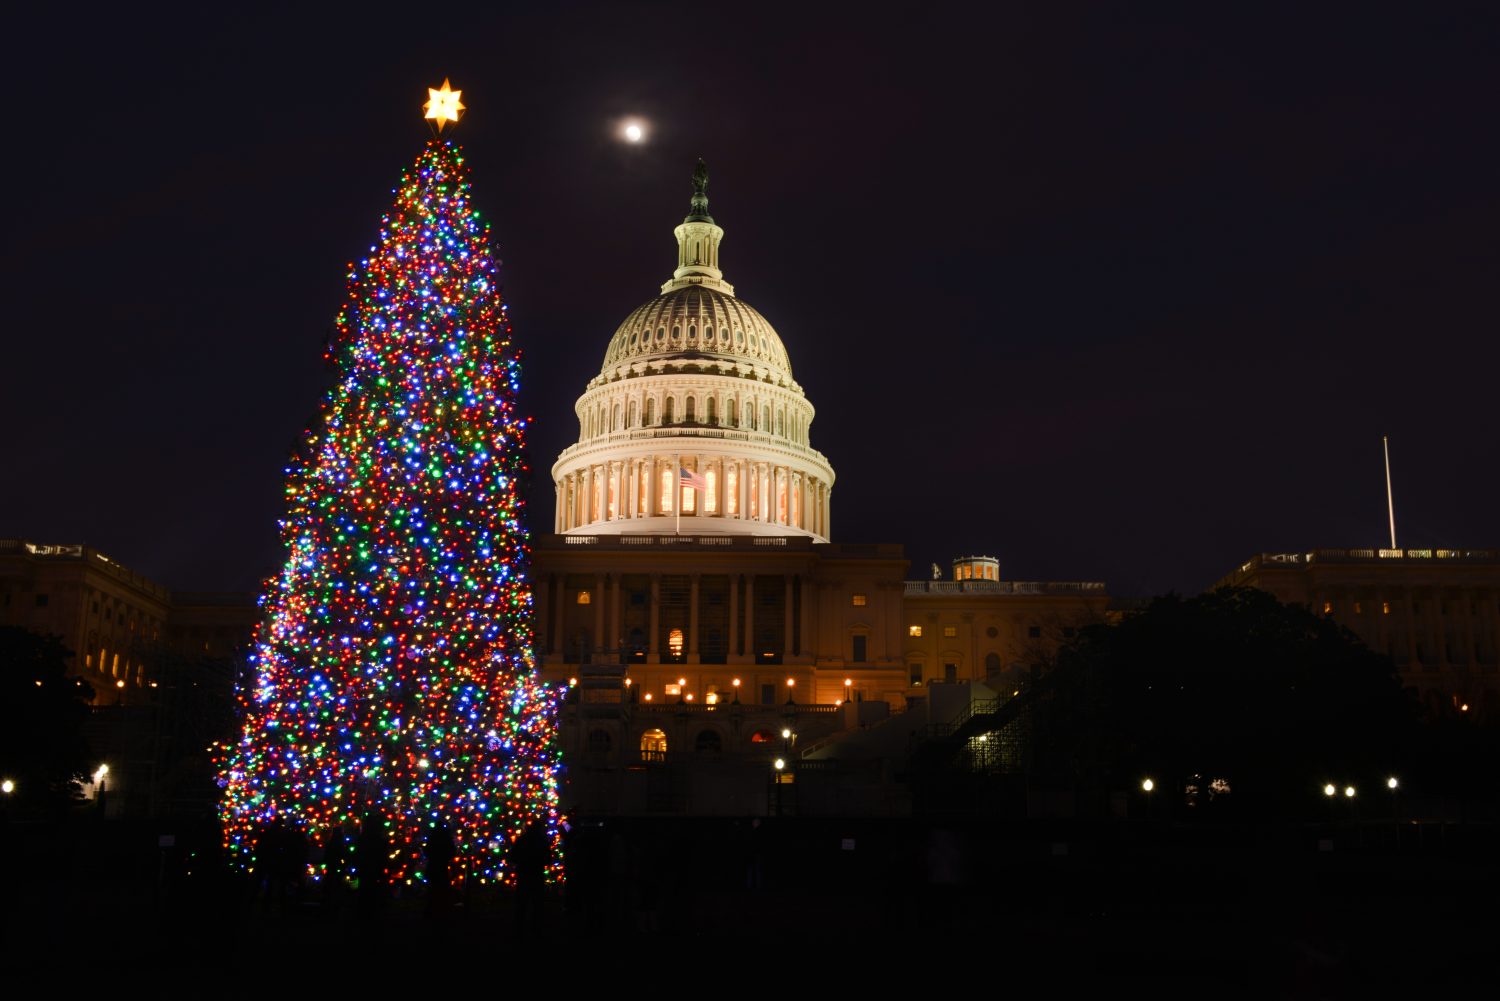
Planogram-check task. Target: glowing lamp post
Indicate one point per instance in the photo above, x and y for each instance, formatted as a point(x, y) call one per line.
point(1147, 785)
point(7, 787)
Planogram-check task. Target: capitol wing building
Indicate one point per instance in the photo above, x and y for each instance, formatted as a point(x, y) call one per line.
point(696, 385)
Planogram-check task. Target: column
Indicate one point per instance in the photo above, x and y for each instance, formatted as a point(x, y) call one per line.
point(750, 617)
point(788, 641)
point(617, 597)
point(804, 633)
point(560, 611)
point(557, 506)
point(599, 611)
point(652, 654)
point(742, 477)
point(692, 650)
point(734, 613)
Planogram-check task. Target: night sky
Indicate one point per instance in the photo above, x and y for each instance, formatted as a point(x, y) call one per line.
point(1113, 296)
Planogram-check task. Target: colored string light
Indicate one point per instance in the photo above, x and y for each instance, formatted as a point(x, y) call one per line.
point(393, 679)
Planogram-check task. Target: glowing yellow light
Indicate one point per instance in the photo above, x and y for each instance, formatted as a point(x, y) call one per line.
point(443, 105)
point(648, 696)
point(786, 733)
point(423, 763)
point(627, 682)
point(121, 684)
point(633, 132)
point(1147, 785)
point(682, 681)
point(7, 787)
point(736, 682)
point(1330, 790)
point(780, 764)
point(689, 696)
point(1391, 782)
point(791, 682)
point(572, 682)
point(1349, 791)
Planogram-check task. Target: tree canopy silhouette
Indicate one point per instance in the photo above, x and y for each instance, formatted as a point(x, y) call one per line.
point(1270, 699)
point(42, 714)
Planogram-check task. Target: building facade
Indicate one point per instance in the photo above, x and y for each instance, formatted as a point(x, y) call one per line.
point(1435, 612)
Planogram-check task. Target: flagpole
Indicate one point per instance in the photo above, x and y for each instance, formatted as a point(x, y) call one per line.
point(677, 501)
point(1390, 503)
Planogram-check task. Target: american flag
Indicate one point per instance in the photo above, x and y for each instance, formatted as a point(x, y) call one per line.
point(691, 479)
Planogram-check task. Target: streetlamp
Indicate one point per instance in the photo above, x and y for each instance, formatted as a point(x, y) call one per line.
point(8, 786)
point(1330, 790)
point(1148, 784)
point(1393, 785)
point(791, 683)
point(779, 764)
point(848, 688)
point(736, 684)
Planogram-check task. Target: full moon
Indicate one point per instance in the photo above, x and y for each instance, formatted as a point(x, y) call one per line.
point(634, 133)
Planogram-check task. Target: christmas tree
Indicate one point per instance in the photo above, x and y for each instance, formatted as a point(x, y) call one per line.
point(392, 679)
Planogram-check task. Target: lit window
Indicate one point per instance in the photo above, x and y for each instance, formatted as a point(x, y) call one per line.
point(732, 490)
point(674, 689)
point(668, 485)
point(689, 500)
point(858, 601)
point(1385, 608)
point(711, 495)
point(584, 598)
point(654, 742)
point(1358, 609)
point(950, 631)
point(914, 630)
point(1327, 608)
point(915, 675)
point(674, 642)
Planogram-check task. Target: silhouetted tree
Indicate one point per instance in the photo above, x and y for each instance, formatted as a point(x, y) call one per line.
point(42, 715)
point(1271, 699)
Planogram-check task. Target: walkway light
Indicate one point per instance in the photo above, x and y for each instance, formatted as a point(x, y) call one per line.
point(780, 764)
point(1330, 790)
point(7, 787)
point(1392, 784)
point(1147, 785)
point(1348, 792)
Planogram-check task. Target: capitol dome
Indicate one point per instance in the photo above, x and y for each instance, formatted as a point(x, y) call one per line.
point(694, 423)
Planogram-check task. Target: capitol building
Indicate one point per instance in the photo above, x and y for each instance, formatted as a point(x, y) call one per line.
point(694, 601)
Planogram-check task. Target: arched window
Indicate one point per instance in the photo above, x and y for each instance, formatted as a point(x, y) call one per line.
point(765, 424)
point(991, 664)
point(630, 415)
point(674, 644)
point(654, 745)
point(729, 412)
point(599, 742)
point(667, 411)
point(711, 495)
point(732, 489)
point(713, 413)
point(614, 418)
point(692, 332)
point(750, 416)
point(708, 742)
point(650, 412)
point(689, 414)
point(781, 423)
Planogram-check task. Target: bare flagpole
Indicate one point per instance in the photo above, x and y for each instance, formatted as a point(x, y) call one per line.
point(677, 501)
point(1390, 503)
